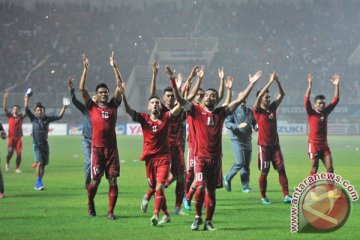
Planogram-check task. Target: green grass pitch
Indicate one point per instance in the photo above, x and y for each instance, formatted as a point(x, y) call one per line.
point(60, 212)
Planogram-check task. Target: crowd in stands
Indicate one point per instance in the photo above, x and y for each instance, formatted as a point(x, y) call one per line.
point(290, 37)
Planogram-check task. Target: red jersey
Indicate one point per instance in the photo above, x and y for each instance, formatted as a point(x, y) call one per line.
point(191, 131)
point(103, 120)
point(175, 130)
point(318, 121)
point(155, 134)
point(208, 127)
point(267, 125)
point(15, 126)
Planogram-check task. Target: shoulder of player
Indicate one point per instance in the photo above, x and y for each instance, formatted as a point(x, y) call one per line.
point(273, 105)
point(8, 113)
point(113, 103)
point(221, 110)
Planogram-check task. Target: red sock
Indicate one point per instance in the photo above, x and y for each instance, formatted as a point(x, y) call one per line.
point(159, 200)
point(284, 183)
point(190, 193)
point(91, 194)
point(18, 160)
point(113, 194)
point(149, 193)
point(263, 184)
point(210, 203)
point(188, 181)
point(179, 193)
point(164, 207)
point(199, 200)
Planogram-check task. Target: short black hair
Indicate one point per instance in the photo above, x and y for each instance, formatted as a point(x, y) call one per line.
point(214, 90)
point(153, 96)
point(17, 106)
point(39, 105)
point(168, 89)
point(319, 97)
point(200, 89)
point(101, 85)
point(258, 92)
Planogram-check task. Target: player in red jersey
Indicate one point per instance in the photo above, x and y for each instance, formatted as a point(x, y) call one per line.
point(268, 139)
point(175, 146)
point(317, 116)
point(155, 127)
point(15, 121)
point(208, 122)
point(104, 152)
point(190, 186)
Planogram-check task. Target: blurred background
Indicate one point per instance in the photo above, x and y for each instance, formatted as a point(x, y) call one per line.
point(42, 42)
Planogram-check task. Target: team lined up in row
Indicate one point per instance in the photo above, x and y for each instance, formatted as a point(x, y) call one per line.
point(163, 151)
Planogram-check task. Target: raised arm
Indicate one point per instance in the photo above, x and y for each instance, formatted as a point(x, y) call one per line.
point(26, 106)
point(308, 90)
point(84, 93)
point(178, 80)
point(6, 96)
point(155, 70)
point(222, 81)
point(79, 105)
point(281, 93)
point(119, 88)
point(200, 74)
point(264, 90)
point(128, 109)
point(26, 102)
point(245, 93)
point(175, 111)
point(228, 85)
point(62, 111)
point(336, 81)
point(187, 85)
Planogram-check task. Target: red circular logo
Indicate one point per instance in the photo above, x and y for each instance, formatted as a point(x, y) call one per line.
point(325, 206)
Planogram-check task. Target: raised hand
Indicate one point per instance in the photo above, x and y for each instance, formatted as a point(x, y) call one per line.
point(309, 78)
point(85, 61)
point(229, 82)
point(170, 73)
point(255, 77)
point(335, 79)
point(179, 80)
point(221, 73)
point(201, 72)
point(123, 88)
point(70, 82)
point(112, 59)
point(273, 77)
point(194, 71)
point(6, 95)
point(155, 68)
